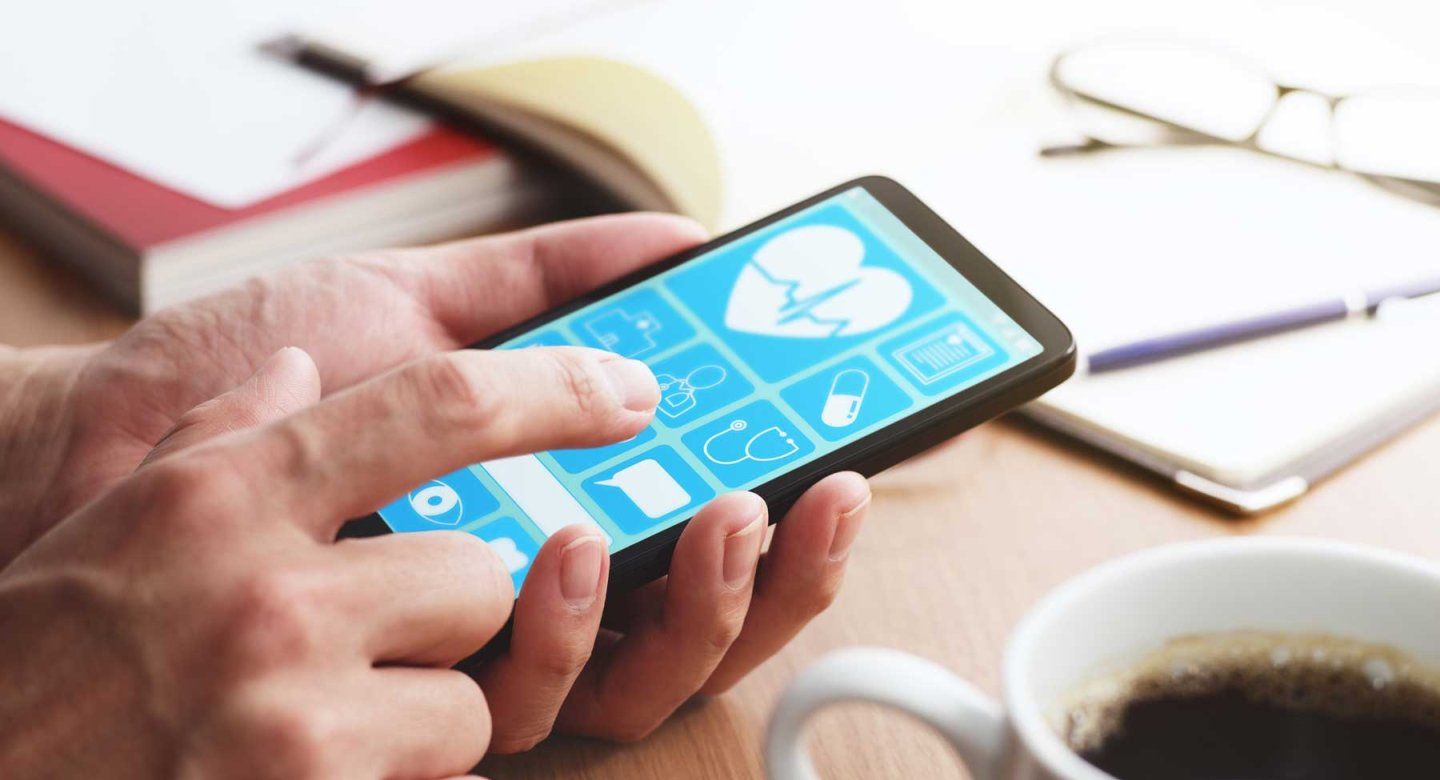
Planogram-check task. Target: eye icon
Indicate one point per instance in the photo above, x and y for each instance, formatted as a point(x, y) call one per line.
point(438, 503)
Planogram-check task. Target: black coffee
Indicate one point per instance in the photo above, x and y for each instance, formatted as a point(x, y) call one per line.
point(1262, 707)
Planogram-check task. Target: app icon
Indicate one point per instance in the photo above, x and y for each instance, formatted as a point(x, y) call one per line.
point(803, 291)
point(695, 383)
point(641, 493)
point(944, 353)
point(812, 282)
point(742, 446)
point(846, 398)
point(438, 503)
point(638, 324)
point(515, 547)
point(576, 461)
point(650, 487)
point(445, 502)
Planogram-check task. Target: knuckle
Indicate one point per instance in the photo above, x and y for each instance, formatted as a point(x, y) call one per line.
point(458, 396)
point(295, 448)
point(294, 741)
point(565, 661)
point(261, 288)
point(385, 265)
point(723, 632)
point(186, 490)
point(196, 414)
point(719, 638)
point(174, 482)
point(275, 616)
point(576, 376)
point(819, 598)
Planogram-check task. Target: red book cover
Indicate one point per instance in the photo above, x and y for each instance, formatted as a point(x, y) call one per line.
point(143, 214)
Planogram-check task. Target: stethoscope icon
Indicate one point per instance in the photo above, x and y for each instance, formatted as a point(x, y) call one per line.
point(774, 432)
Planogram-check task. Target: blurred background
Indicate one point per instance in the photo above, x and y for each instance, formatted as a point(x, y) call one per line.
point(1234, 204)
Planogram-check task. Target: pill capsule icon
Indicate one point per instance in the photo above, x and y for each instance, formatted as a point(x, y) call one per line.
point(847, 393)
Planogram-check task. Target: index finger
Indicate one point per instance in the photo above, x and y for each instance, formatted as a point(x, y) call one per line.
point(359, 449)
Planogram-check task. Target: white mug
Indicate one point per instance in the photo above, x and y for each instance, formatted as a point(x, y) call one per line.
point(1113, 614)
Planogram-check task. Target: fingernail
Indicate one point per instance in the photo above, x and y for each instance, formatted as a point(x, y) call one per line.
point(580, 571)
point(742, 550)
point(633, 382)
point(847, 527)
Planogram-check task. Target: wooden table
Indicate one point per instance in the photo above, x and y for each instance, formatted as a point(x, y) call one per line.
point(960, 543)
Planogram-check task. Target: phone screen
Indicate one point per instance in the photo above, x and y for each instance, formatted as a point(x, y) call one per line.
point(772, 350)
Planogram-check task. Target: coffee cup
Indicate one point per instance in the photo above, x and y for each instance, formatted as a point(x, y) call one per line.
point(1115, 615)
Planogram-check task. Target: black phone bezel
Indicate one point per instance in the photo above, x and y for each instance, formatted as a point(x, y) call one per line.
point(649, 558)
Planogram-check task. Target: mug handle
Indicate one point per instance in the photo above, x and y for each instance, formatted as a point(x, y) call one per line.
point(968, 719)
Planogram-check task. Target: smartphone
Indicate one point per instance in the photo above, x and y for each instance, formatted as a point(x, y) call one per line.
point(849, 331)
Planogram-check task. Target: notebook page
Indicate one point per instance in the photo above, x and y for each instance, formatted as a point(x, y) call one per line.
point(1239, 414)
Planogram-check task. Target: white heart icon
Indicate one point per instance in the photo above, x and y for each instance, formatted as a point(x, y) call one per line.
point(811, 282)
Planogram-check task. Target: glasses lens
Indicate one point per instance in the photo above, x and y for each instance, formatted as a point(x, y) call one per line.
point(1201, 91)
point(1390, 134)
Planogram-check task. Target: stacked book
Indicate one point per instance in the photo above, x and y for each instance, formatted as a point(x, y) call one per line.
point(150, 246)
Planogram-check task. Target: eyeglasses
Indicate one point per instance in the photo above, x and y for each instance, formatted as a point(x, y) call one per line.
point(1148, 94)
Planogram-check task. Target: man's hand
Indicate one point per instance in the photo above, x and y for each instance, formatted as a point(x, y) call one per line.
point(89, 416)
point(199, 619)
point(724, 608)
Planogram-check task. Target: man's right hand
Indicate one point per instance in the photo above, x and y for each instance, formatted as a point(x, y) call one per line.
point(219, 630)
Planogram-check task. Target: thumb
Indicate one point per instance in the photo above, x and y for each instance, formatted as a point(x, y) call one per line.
point(285, 383)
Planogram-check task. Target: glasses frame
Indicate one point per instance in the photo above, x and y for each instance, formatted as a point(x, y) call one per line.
point(1421, 189)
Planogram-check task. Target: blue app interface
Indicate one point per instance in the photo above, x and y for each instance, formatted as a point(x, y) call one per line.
point(771, 351)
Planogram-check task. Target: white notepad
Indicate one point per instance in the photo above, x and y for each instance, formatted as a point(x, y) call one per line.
point(1137, 244)
point(1255, 425)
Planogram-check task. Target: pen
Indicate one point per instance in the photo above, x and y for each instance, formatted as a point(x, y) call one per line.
point(1358, 303)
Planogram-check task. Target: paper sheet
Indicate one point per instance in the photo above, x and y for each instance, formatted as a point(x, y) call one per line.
point(179, 93)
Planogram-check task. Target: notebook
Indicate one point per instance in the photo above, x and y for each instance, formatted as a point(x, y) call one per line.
point(149, 246)
point(1142, 243)
point(1251, 427)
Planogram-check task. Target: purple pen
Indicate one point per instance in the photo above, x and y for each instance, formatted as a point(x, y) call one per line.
point(1359, 303)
